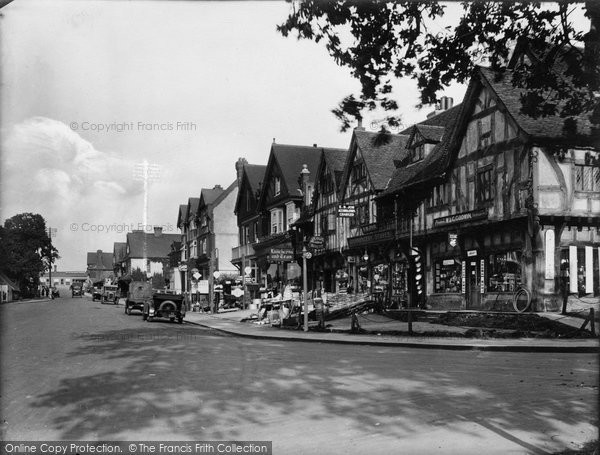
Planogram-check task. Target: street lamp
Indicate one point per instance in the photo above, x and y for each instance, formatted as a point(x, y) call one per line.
point(305, 174)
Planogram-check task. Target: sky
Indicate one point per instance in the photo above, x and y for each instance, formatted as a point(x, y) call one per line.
point(91, 89)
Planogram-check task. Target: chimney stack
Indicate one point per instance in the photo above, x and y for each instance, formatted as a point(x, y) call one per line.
point(360, 126)
point(217, 187)
point(239, 169)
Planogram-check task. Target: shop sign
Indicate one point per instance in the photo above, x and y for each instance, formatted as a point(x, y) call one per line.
point(316, 242)
point(471, 253)
point(458, 217)
point(482, 271)
point(464, 276)
point(370, 238)
point(448, 262)
point(346, 211)
point(452, 239)
point(280, 255)
point(351, 259)
point(183, 268)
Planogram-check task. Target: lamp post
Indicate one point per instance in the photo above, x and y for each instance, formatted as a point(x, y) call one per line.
point(305, 175)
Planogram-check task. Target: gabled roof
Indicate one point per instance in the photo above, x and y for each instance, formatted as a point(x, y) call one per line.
point(182, 214)
point(119, 251)
point(157, 246)
point(252, 177)
point(100, 261)
point(208, 196)
point(335, 160)
point(550, 127)
point(430, 167)
point(193, 204)
point(7, 281)
point(379, 152)
point(255, 174)
point(430, 132)
point(290, 159)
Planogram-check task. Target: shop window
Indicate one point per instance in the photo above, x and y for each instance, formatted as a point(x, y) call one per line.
point(504, 272)
point(484, 189)
point(587, 178)
point(448, 276)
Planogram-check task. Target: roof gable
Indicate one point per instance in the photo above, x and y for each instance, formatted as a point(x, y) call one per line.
point(252, 178)
point(141, 244)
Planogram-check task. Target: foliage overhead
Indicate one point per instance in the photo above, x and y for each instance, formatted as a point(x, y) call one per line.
point(380, 41)
point(25, 249)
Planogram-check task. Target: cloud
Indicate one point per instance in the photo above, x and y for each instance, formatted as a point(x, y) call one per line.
point(47, 168)
point(45, 163)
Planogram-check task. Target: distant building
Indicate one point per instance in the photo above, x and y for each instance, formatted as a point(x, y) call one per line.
point(9, 290)
point(148, 252)
point(63, 280)
point(99, 265)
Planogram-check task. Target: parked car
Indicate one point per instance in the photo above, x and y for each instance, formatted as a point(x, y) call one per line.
point(165, 305)
point(140, 292)
point(110, 294)
point(54, 294)
point(77, 290)
point(96, 292)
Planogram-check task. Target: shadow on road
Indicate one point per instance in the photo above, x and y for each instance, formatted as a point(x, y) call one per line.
point(190, 384)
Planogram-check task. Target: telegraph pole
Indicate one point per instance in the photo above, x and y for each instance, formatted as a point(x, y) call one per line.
point(146, 173)
point(51, 233)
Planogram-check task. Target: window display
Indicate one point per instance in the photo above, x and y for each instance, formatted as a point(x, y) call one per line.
point(504, 271)
point(448, 276)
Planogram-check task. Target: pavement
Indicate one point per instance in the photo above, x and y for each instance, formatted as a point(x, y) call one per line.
point(380, 326)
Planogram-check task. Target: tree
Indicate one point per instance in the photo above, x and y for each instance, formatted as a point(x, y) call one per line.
point(26, 250)
point(382, 40)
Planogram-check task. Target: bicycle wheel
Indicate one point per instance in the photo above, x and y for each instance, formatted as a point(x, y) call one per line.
point(521, 300)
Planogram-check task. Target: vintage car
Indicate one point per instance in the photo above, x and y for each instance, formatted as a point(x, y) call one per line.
point(96, 293)
point(110, 294)
point(77, 290)
point(165, 305)
point(139, 293)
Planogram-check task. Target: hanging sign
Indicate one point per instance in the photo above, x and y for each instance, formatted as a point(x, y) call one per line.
point(346, 211)
point(464, 277)
point(280, 254)
point(452, 239)
point(471, 253)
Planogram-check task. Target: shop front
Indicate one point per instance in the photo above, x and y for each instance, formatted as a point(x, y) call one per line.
point(475, 270)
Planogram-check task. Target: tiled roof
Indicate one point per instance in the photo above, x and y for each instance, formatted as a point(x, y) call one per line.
point(255, 174)
point(181, 215)
point(379, 155)
point(157, 246)
point(430, 132)
point(100, 261)
point(433, 165)
point(209, 195)
point(7, 281)
point(193, 204)
point(291, 158)
point(335, 160)
point(550, 127)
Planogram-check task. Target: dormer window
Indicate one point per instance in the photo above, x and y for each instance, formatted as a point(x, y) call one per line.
point(417, 153)
point(277, 186)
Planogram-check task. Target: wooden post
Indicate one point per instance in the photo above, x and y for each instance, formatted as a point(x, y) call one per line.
point(592, 322)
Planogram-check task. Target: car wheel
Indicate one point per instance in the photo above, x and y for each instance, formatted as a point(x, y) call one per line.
point(144, 316)
point(127, 310)
point(180, 320)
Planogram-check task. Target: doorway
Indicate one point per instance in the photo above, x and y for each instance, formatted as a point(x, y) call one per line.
point(473, 284)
